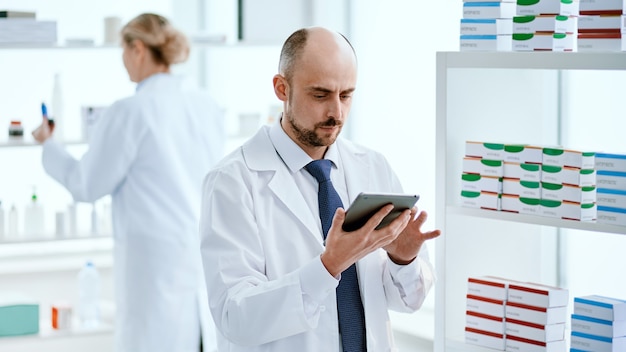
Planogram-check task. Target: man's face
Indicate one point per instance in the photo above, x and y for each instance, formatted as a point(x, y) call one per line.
point(319, 99)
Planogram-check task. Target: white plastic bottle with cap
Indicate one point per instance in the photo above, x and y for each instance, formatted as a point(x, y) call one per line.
point(89, 296)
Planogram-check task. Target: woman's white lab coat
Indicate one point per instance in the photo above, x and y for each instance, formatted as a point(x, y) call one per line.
point(150, 152)
point(259, 236)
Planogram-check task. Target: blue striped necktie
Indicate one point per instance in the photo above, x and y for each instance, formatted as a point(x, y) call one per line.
point(349, 304)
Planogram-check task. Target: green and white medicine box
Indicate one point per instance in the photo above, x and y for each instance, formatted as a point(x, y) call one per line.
point(520, 205)
point(483, 167)
point(484, 150)
point(525, 189)
point(545, 23)
point(568, 193)
point(481, 200)
point(478, 183)
point(566, 157)
point(522, 171)
point(568, 210)
point(544, 42)
point(18, 316)
point(519, 153)
point(548, 7)
point(568, 175)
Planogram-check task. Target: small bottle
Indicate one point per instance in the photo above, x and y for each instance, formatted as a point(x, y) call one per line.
point(89, 296)
point(72, 221)
point(2, 232)
point(34, 218)
point(57, 108)
point(13, 229)
point(94, 219)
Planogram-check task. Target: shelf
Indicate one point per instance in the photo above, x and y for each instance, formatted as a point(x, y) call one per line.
point(538, 220)
point(464, 347)
point(536, 60)
point(29, 142)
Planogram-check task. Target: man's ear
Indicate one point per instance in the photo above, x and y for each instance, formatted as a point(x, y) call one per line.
point(281, 87)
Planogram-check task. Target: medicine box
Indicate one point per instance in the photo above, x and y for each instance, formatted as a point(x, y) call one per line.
point(599, 23)
point(599, 41)
point(484, 322)
point(568, 175)
point(487, 26)
point(572, 158)
point(484, 150)
point(596, 7)
point(611, 162)
point(611, 216)
point(598, 327)
point(522, 171)
point(481, 200)
point(600, 307)
point(488, 9)
point(514, 343)
point(520, 205)
point(581, 195)
point(488, 287)
point(487, 306)
point(523, 189)
point(568, 210)
point(536, 315)
point(581, 342)
point(541, 333)
point(484, 338)
point(478, 183)
point(544, 42)
point(537, 295)
point(523, 153)
point(545, 23)
point(611, 180)
point(611, 198)
point(547, 7)
point(484, 167)
point(485, 43)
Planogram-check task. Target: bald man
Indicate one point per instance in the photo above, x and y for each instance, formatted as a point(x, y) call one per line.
point(278, 278)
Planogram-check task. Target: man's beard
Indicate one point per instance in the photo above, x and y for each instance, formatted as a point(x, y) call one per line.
point(309, 137)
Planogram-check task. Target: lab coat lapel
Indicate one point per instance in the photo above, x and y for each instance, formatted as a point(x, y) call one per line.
point(261, 156)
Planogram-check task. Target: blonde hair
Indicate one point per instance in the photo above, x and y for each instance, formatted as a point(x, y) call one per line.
point(167, 44)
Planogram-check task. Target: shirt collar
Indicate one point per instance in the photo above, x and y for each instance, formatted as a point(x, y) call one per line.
point(293, 156)
point(150, 78)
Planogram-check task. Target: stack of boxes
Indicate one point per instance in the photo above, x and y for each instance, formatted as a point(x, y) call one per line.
point(545, 25)
point(486, 26)
point(598, 324)
point(530, 179)
point(515, 316)
point(599, 25)
point(611, 192)
point(19, 27)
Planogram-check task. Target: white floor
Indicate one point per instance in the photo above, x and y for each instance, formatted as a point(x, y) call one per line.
point(408, 343)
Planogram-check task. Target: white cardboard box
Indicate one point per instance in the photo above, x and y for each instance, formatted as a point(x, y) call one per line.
point(522, 171)
point(484, 150)
point(547, 7)
point(566, 157)
point(489, 287)
point(599, 42)
point(483, 322)
point(519, 153)
point(485, 167)
point(484, 338)
point(487, 26)
point(538, 295)
point(485, 43)
point(599, 23)
point(611, 198)
point(594, 7)
point(544, 42)
point(545, 23)
point(568, 210)
point(566, 175)
point(479, 183)
point(611, 180)
point(611, 162)
point(612, 216)
point(514, 343)
point(560, 192)
point(520, 205)
point(480, 200)
point(598, 327)
point(600, 307)
point(536, 315)
point(488, 306)
point(488, 9)
point(541, 333)
point(585, 342)
point(523, 189)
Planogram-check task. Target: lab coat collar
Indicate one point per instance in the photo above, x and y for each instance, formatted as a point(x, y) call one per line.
point(152, 80)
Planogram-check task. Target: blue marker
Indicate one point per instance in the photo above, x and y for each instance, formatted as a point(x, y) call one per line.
point(44, 113)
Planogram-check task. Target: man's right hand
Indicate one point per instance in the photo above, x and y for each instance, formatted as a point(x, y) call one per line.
point(345, 248)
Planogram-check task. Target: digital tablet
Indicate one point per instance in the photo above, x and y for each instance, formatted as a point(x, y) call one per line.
point(367, 204)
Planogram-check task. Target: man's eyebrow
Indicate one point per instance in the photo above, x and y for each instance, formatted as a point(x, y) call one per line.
point(326, 90)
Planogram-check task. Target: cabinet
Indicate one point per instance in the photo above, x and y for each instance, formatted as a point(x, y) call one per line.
point(518, 98)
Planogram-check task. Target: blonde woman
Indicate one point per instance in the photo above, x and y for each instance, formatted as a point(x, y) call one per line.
point(150, 152)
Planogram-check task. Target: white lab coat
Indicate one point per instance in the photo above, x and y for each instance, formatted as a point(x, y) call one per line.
point(150, 152)
point(258, 238)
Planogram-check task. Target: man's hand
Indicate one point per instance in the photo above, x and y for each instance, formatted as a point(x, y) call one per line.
point(408, 244)
point(345, 248)
point(44, 131)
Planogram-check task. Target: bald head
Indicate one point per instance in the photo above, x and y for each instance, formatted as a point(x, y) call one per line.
point(311, 44)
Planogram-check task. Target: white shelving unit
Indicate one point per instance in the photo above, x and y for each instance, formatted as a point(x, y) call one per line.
point(511, 97)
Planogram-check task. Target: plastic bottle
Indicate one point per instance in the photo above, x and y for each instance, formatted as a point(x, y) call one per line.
point(13, 230)
point(34, 218)
point(89, 296)
point(72, 223)
point(57, 108)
